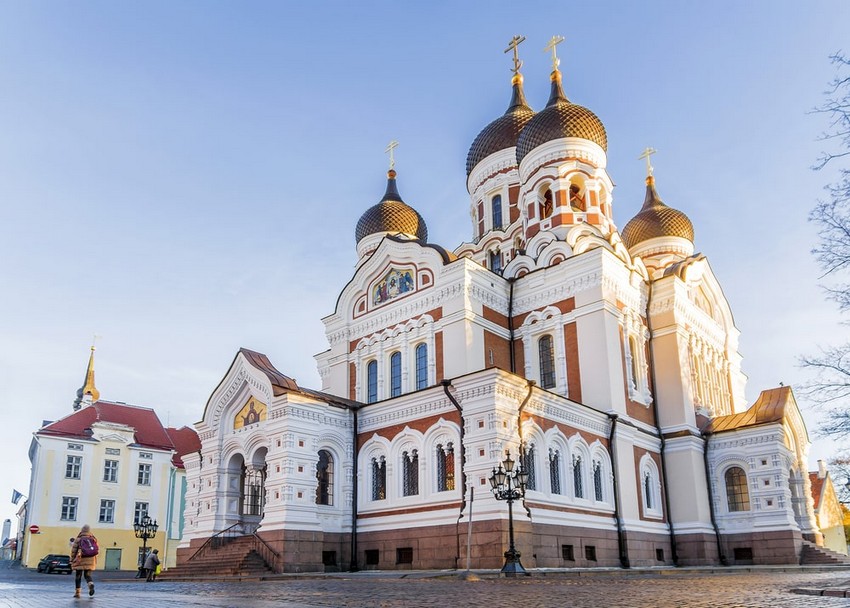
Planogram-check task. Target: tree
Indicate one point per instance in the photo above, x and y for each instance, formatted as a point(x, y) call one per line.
point(831, 384)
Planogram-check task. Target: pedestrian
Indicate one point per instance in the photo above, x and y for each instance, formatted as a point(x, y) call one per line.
point(84, 552)
point(150, 565)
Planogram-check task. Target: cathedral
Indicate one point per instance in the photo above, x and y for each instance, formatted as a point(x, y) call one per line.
point(602, 361)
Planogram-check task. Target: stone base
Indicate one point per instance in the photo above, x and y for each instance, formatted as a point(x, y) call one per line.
point(762, 548)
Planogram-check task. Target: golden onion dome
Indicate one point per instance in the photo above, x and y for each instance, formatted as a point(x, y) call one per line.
point(391, 215)
point(502, 133)
point(560, 118)
point(655, 219)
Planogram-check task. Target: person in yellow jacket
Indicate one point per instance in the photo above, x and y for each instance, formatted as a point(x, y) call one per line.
point(83, 564)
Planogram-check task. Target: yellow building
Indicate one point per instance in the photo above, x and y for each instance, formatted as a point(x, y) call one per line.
point(106, 464)
point(830, 516)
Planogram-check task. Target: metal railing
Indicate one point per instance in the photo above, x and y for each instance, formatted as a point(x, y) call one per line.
point(241, 530)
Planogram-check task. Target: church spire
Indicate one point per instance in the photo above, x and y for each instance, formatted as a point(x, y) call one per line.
point(88, 393)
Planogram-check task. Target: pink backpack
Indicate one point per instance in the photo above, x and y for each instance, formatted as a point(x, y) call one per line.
point(88, 546)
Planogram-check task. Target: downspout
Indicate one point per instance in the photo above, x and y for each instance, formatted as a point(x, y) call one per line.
point(446, 384)
point(511, 323)
point(720, 554)
point(621, 537)
point(674, 553)
point(353, 565)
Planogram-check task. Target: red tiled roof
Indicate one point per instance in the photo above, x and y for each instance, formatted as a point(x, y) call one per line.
point(149, 431)
point(185, 441)
point(817, 487)
point(768, 408)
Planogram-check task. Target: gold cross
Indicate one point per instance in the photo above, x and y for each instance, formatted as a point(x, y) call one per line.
point(646, 154)
point(554, 42)
point(515, 42)
point(94, 340)
point(390, 147)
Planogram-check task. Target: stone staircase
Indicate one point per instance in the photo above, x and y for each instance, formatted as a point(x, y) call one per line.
point(813, 555)
point(236, 558)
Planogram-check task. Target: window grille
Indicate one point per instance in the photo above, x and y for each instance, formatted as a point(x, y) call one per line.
point(555, 471)
point(737, 493)
point(253, 490)
point(546, 353)
point(395, 374)
point(497, 211)
point(445, 467)
point(410, 466)
point(324, 475)
point(597, 481)
point(421, 366)
point(372, 382)
point(527, 461)
point(379, 478)
point(578, 477)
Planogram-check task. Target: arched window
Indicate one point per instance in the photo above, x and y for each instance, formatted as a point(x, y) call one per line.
point(576, 198)
point(445, 468)
point(526, 460)
point(647, 490)
point(496, 261)
point(395, 374)
point(546, 353)
point(421, 366)
point(379, 478)
point(325, 477)
point(578, 477)
point(410, 473)
point(496, 204)
point(634, 362)
point(546, 204)
point(372, 382)
point(597, 481)
point(555, 471)
point(737, 493)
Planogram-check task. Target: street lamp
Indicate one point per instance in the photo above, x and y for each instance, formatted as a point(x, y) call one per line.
point(508, 484)
point(145, 529)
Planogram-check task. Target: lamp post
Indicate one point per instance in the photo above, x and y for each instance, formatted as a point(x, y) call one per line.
point(145, 528)
point(508, 484)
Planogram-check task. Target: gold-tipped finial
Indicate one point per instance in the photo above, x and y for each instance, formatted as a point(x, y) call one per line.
point(551, 46)
point(646, 154)
point(389, 149)
point(512, 46)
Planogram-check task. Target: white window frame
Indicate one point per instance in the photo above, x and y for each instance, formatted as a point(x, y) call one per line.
point(145, 474)
point(73, 467)
point(68, 510)
point(648, 468)
point(110, 473)
point(106, 514)
point(550, 321)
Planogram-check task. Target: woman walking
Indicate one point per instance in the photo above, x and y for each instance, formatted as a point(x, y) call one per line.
point(84, 552)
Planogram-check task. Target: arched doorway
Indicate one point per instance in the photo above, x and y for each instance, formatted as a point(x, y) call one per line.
point(252, 494)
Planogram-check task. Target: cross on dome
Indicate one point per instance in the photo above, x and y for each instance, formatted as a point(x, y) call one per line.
point(646, 154)
point(389, 149)
point(512, 46)
point(551, 46)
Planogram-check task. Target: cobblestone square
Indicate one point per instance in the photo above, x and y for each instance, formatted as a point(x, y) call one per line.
point(734, 588)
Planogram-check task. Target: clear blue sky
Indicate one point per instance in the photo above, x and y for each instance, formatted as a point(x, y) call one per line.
point(184, 178)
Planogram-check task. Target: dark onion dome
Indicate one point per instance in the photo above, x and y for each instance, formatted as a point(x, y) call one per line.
point(656, 219)
point(392, 215)
point(560, 118)
point(503, 132)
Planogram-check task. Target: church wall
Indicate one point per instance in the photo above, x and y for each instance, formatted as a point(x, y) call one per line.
point(497, 351)
point(573, 363)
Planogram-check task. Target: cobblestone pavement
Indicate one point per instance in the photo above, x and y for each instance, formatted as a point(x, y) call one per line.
point(730, 589)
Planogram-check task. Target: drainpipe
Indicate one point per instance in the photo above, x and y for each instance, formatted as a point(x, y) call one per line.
point(621, 537)
point(720, 554)
point(511, 323)
point(674, 553)
point(446, 384)
point(353, 565)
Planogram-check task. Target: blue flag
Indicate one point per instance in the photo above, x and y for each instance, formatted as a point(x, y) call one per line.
point(16, 496)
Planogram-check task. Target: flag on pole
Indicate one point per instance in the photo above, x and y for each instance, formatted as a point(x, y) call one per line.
point(16, 496)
